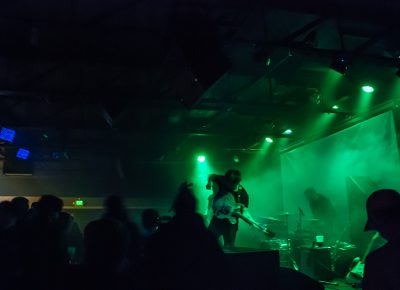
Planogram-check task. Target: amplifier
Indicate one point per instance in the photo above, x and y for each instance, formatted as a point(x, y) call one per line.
point(316, 262)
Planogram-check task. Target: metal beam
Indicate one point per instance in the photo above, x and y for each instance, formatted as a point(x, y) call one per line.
point(251, 108)
point(299, 49)
point(370, 42)
point(290, 38)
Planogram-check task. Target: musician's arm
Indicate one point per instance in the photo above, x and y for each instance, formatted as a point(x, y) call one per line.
point(211, 179)
point(246, 214)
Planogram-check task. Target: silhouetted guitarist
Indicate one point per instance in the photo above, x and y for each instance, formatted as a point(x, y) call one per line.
point(223, 185)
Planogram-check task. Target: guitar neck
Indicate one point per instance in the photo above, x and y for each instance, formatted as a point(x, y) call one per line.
point(253, 224)
point(248, 221)
point(242, 217)
point(369, 247)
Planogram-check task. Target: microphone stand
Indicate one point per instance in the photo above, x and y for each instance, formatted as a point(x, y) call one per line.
point(300, 220)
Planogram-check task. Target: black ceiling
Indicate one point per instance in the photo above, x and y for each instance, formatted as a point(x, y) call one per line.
point(164, 78)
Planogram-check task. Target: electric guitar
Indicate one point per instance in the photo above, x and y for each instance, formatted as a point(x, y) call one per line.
point(227, 208)
point(356, 273)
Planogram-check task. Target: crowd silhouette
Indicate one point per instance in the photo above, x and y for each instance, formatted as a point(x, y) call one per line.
point(43, 248)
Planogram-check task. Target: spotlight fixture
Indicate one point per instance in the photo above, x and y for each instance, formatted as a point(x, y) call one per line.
point(335, 107)
point(236, 159)
point(269, 140)
point(340, 64)
point(287, 132)
point(315, 97)
point(367, 89)
point(201, 158)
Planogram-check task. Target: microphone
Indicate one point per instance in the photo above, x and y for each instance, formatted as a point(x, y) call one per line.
point(301, 211)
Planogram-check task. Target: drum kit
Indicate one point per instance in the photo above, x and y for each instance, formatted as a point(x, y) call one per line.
point(304, 236)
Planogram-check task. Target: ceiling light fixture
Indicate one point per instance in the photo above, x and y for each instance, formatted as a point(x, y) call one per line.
point(368, 89)
point(287, 132)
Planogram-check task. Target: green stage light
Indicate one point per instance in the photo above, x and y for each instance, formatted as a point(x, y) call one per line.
point(335, 107)
point(201, 158)
point(269, 140)
point(368, 89)
point(236, 159)
point(287, 132)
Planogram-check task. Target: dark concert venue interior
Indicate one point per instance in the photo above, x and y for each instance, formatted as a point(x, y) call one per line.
point(199, 144)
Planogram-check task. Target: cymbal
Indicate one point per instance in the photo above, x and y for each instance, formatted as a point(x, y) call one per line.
point(269, 219)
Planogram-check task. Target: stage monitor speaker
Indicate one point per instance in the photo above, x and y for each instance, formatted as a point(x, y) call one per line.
point(251, 269)
point(317, 263)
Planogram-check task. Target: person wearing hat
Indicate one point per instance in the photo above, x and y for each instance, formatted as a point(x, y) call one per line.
point(382, 269)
